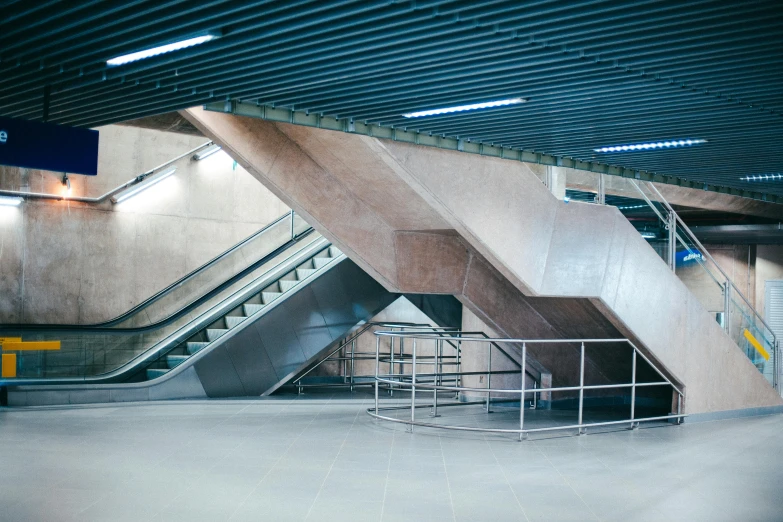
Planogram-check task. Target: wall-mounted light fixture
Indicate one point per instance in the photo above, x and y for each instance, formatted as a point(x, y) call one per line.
point(205, 153)
point(6, 201)
point(66, 183)
point(143, 185)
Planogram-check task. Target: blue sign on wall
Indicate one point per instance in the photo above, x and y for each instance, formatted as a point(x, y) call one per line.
point(684, 257)
point(46, 146)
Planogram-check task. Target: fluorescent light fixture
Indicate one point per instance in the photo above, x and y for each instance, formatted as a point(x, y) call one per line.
point(162, 49)
point(566, 199)
point(206, 152)
point(6, 201)
point(462, 108)
point(632, 207)
point(649, 235)
point(763, 177)
point(668, 144)
point(144, 185)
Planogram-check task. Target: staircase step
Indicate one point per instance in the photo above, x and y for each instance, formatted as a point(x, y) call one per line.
point(175, 360)
point(302, 273)
point(268, 297)
point(285, 286)
point(250, 309)
point(195, 347)
point(154, 373)
point(233, 320)
point(334, 251)
point(320, 262)
point(215, 333)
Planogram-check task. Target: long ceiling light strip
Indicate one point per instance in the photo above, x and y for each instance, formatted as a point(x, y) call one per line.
point(6, 201)
point(463, 108)
point(763, 177)
point(144, 185)
point(161, 49)
point(668, 144)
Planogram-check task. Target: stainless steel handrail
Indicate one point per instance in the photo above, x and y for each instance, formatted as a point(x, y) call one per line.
point(202, 321)
point(410, 382)
point(704, 251)
point(346, 342)
point(138, 179)
point(423, 328)
point(162, 293)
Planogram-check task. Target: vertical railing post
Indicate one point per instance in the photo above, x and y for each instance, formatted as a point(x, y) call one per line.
point(727, 306)
point(522, 434)
point(377, 368)
point(436, 379)
point(353, 352)
point(672, 226)
point(581, 387)
point(293, 234)
point(413, 387)
point(391, 361)
point(633, 387)
point(489, 376)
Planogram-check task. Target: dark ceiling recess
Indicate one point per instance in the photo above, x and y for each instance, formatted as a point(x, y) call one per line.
point(593, 73)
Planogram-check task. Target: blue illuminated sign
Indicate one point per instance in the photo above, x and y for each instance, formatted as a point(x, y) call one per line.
point(684, 257)
point(46, 146)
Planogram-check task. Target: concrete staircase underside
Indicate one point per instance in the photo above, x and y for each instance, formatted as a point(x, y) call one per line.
point(425, 220)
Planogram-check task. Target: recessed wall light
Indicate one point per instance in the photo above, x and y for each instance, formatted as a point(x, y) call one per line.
point(133, 190)
point(668, 144)
point(463, 108)
point(161, 49)
point(6, 201)
point(763, 177)
point(206, 152)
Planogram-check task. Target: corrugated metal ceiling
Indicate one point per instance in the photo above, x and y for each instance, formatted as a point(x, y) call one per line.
point(594, 73)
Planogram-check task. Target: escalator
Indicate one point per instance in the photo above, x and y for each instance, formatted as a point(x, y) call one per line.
point(236, 326)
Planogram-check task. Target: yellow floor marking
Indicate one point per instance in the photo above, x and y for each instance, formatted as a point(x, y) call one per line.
point(757, 345)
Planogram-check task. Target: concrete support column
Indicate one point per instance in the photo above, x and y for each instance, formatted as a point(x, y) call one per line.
point(556, 181)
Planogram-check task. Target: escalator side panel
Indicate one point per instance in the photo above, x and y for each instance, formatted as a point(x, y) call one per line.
point(293, 333)
point(251, 361)
point(332, 294)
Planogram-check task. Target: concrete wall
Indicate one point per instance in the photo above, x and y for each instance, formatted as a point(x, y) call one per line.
point(66, 262)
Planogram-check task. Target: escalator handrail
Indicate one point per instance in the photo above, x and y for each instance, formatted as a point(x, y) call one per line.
point(164, 346)
point(102, 326)
point(100, 329)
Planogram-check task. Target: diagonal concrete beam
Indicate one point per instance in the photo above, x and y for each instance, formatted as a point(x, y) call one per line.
point(485, 229)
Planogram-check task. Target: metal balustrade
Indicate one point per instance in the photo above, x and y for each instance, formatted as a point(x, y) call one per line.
point(410, 379)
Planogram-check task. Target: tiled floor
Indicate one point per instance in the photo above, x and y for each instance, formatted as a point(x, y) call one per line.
point(324, 460)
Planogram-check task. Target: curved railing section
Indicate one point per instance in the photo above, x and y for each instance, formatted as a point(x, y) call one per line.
point(347, 356)
point(425, 372)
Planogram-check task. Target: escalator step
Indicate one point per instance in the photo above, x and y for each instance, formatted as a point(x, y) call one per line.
point(250, 309)
point(232, 320)
point(320, 262)
point(285, 286)
point(334, 251)
point(302, 273)
point(175, 360)
point(195, 347)
point(154, 373)
point(215, 333)
point(268, 297)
